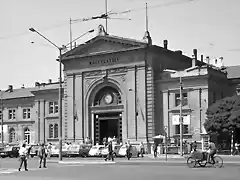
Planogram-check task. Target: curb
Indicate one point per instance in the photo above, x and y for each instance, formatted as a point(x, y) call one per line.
point(85, 162)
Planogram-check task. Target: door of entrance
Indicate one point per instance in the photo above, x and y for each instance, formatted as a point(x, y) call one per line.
point(107, 125)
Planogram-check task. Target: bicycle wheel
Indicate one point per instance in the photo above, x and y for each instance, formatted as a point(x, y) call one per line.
point(191, 162)
point(218, 161)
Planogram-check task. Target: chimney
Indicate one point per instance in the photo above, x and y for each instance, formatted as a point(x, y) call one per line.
point(195, 54)
point(165, 44)
point(50, 81)
point(179, 52)
point(37, 84)
point(75, 44)
point(10, 88)
point(201, 58)
point(207, 60)
point(193, 61)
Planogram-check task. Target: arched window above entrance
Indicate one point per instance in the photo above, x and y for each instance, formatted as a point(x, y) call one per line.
point(107, 96)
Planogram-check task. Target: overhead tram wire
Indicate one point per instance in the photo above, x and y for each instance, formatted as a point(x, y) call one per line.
point(98, 17)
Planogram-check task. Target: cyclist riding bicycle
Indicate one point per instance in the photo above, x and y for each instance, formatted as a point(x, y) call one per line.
point(211, 151)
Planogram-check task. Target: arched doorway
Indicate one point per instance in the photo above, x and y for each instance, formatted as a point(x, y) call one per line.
point(27, 135)
point(106, 112)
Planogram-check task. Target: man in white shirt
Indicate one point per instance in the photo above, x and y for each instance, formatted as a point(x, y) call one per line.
point(23, 157)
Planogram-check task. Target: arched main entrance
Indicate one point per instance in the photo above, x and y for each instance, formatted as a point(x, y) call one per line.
point(106, 112)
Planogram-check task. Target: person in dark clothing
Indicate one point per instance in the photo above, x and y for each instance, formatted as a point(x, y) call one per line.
point(110, 152)
point(155, 146)
point(194, 146)
point(42, 156)
point(128, 150)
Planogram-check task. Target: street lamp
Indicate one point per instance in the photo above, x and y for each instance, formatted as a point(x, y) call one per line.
point(180, 111)
point(60, 81)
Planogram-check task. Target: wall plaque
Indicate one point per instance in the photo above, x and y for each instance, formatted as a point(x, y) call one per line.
point(104, 61)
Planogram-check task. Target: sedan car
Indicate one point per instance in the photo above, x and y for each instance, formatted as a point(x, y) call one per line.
point(133, 151)
point(73, 150)
point(116, 149)
point(96, 150)
point(10, 151)
point(55, 151)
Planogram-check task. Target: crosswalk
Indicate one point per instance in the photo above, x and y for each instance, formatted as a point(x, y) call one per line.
point(11, 171)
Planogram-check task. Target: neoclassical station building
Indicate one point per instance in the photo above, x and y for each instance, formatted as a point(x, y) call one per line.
point(115, 86)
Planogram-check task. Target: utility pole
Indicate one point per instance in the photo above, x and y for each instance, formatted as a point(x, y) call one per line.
point(106, 17)
point(181, 118)
point(2, 136)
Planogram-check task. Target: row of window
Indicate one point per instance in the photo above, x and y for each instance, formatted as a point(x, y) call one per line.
point(12, 135)
point(26, 112)
point(185, 98)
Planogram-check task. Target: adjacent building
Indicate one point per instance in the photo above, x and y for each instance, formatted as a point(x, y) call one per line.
point(116, 86)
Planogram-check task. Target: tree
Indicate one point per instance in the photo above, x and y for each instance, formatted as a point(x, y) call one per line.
point(224, 115)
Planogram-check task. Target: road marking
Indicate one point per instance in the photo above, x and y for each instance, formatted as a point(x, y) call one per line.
point(74, 165)
point(10, 171)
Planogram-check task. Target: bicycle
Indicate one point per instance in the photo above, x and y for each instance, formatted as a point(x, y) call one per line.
point(201, 159)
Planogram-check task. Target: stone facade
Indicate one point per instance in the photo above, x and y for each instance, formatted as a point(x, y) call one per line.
point(119, 79)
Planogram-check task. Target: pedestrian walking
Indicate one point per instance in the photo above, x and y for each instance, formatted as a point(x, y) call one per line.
point(128, 149)
point(49, 150)
point(236, 151)
point(23, 157)
point(42, 154)
point(155, 147)
point(110, 152)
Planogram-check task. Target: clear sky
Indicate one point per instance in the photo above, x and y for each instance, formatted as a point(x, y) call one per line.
point(211, 26)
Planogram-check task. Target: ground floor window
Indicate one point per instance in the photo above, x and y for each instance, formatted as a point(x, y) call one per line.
point(12, 135)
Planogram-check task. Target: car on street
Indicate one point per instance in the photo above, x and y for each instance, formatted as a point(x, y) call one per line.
point(10, 151)
point(96, 150)
point(84, 150)
point(133, 151)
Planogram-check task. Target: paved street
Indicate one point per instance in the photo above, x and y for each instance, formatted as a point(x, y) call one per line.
point(121, 169)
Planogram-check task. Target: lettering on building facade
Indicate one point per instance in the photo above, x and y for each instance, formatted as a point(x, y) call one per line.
point(104, 61)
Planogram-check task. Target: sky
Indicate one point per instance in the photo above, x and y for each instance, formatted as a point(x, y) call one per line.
point(211, 26)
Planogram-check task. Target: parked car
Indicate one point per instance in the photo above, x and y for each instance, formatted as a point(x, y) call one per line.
point(96, 150)
point(73, 150)
point(55, 150)
point(84, 150)
point(10, 151)
point(34, 150)
point(133, 151)
point(116, 149)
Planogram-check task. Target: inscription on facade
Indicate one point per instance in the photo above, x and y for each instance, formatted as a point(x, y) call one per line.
point(104, 61)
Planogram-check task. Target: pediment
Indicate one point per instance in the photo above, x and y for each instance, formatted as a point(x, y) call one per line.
point(104, 44)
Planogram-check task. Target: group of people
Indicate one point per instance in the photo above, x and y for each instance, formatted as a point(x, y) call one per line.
point(24, 153)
